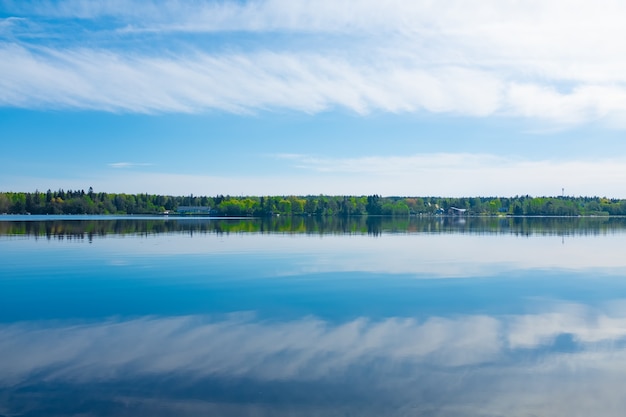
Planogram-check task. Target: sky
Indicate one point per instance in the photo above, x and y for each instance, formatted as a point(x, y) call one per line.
point(292, 97)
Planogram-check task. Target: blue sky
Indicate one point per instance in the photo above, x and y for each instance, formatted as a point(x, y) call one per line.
point(450, 98)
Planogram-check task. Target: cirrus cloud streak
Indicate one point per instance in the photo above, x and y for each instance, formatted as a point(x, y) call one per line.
point(307, 82)
point(546, 61)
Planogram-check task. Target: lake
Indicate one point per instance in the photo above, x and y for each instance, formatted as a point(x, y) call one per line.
point(140, 316)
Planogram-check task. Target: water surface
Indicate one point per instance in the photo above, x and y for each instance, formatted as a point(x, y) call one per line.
point(307, 317)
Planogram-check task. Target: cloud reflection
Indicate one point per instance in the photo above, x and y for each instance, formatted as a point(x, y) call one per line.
point(479, 363)
point(305, 349)
point(237, 346)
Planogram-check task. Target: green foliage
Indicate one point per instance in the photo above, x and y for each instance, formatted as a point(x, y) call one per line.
point(79, 202)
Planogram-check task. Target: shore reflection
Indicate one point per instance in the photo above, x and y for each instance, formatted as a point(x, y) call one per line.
point(101, 226)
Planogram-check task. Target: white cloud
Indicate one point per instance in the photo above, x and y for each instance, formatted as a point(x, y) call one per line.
point(584, 103)
point(311, 83)
point(452, 175)
point(478, 58)
point(233, 82)
point(401, 165)
point(536, 23)
point(128, 164)
point(467, 174)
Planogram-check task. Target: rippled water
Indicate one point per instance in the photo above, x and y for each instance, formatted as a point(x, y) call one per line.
point(304, 317)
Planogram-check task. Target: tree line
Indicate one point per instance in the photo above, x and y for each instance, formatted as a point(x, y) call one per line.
point(90, 202)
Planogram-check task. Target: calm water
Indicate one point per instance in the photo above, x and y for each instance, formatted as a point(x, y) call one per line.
point(302, 317)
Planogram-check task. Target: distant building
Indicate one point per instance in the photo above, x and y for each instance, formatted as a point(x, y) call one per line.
point(456, 211)
point(193, 210)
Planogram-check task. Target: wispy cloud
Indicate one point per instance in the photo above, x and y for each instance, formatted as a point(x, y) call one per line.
point(234, 82)
point(454, 175)
point(483, 174)
point(289, 156)
point(502, 58)
point(128, 164)
point(239, 83)
point(403, 165)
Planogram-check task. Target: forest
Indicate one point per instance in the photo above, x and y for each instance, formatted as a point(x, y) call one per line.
point(90, 202)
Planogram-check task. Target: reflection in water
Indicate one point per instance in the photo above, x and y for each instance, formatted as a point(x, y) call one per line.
point(481, 365)
point(250, 317)
point(98, 226)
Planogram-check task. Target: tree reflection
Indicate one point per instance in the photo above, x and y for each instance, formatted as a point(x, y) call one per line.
point(314, 225)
